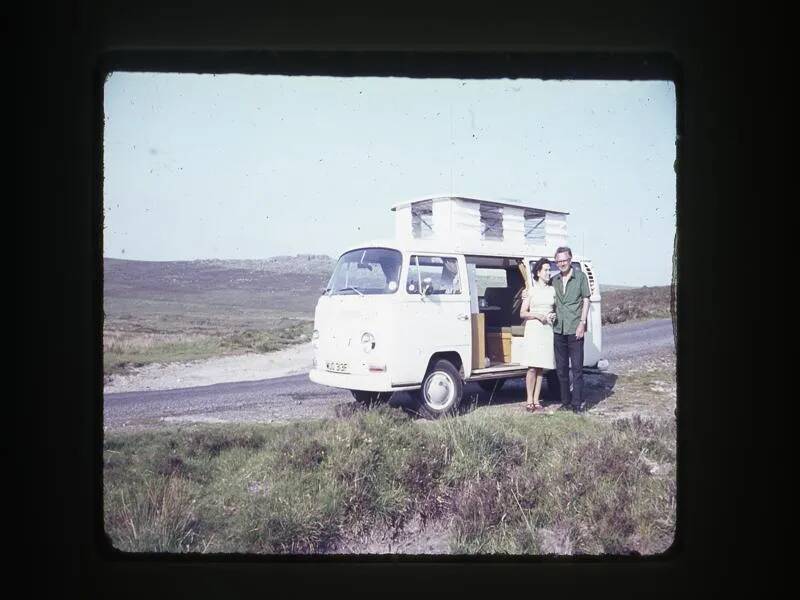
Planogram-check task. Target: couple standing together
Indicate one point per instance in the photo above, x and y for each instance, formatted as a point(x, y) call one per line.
point(555, 311)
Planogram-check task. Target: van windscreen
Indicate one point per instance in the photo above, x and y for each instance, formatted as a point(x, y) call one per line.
point(367, 271)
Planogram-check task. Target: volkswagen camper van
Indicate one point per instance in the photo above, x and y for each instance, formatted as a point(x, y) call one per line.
point(438, 306)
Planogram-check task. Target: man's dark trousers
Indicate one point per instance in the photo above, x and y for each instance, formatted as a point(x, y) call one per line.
point(569, 348)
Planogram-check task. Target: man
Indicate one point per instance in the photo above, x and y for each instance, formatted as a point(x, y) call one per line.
point(572, 307)
point(449, 281)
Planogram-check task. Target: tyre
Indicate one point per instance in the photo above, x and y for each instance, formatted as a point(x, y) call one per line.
point(441, 391)
point(370, 398)
point(492, 385)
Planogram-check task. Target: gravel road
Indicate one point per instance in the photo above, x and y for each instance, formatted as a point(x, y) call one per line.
point(295, 397)
point(628, 340)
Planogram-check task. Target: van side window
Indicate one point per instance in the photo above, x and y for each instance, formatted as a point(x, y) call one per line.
point(422, 219)
point(491, 222)
point(534, 226)
point(441, 273)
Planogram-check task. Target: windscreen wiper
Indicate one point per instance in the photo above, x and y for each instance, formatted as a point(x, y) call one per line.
point(350, 287)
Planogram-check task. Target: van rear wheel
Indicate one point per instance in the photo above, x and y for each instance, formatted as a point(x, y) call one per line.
point(370, 398)
point(441, 391)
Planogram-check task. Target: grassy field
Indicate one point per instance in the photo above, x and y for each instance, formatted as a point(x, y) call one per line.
point(176, 311)
point(515, 484)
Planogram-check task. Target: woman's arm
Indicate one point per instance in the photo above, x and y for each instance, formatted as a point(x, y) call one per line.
point(524, 309)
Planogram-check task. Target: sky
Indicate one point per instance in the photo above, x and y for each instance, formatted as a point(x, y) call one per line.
point(253, 166)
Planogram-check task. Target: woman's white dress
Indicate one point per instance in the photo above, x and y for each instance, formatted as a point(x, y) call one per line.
point(538, 347)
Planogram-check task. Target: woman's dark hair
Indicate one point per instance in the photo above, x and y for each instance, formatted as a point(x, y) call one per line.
point(538, 267)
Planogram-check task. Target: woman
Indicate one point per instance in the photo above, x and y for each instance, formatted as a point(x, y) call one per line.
point(538, 313)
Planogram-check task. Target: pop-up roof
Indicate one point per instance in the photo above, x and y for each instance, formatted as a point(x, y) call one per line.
point(482, 224)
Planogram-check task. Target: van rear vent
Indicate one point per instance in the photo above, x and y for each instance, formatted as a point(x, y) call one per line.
point(590, 276)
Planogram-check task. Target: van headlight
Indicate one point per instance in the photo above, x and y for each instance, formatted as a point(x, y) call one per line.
point(367, 342)
point(315, 339)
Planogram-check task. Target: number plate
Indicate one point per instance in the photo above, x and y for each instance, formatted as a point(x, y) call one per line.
point(337, 367)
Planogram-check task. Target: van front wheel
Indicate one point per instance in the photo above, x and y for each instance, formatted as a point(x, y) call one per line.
point(370, 398)
point(441, 390)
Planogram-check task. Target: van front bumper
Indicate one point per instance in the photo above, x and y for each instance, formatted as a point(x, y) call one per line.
point(370, 382)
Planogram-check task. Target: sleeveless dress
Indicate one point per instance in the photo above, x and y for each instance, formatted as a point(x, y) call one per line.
point(538, 336)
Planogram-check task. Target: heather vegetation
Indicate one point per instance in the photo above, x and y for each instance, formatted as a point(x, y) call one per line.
point(488, 483)
point(625, 304)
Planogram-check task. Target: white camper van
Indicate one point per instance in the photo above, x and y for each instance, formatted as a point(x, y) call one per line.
point(438, 305)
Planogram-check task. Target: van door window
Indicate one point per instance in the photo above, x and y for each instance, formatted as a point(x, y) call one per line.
point(440, 273)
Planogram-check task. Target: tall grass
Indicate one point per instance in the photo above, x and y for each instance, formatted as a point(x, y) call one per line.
point(562, 484)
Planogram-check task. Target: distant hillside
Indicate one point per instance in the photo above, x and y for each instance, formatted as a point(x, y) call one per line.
point(187, 310)
point(301, 263)
point(624, 304)
point(609, 288)
point(290, 283)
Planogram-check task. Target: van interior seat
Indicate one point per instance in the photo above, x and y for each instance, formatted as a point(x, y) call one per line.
point(506, 319)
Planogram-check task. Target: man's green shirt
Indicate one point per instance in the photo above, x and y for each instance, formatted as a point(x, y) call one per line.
point(569, 302)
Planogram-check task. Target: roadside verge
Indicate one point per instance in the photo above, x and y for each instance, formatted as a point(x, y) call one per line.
point(225, 369)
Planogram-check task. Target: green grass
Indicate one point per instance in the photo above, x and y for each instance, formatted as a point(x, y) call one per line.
point(502, 484)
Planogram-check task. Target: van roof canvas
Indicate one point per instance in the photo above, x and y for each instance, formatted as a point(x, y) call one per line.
point(480, 226)
point(496, 201)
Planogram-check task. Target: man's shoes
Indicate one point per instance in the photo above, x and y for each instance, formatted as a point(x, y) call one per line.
point(579, 408)
point(566, 407)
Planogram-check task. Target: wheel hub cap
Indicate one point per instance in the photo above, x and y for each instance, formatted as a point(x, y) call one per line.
point(439, 391)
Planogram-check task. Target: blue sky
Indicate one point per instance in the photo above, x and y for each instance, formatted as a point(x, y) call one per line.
point(250, 166)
